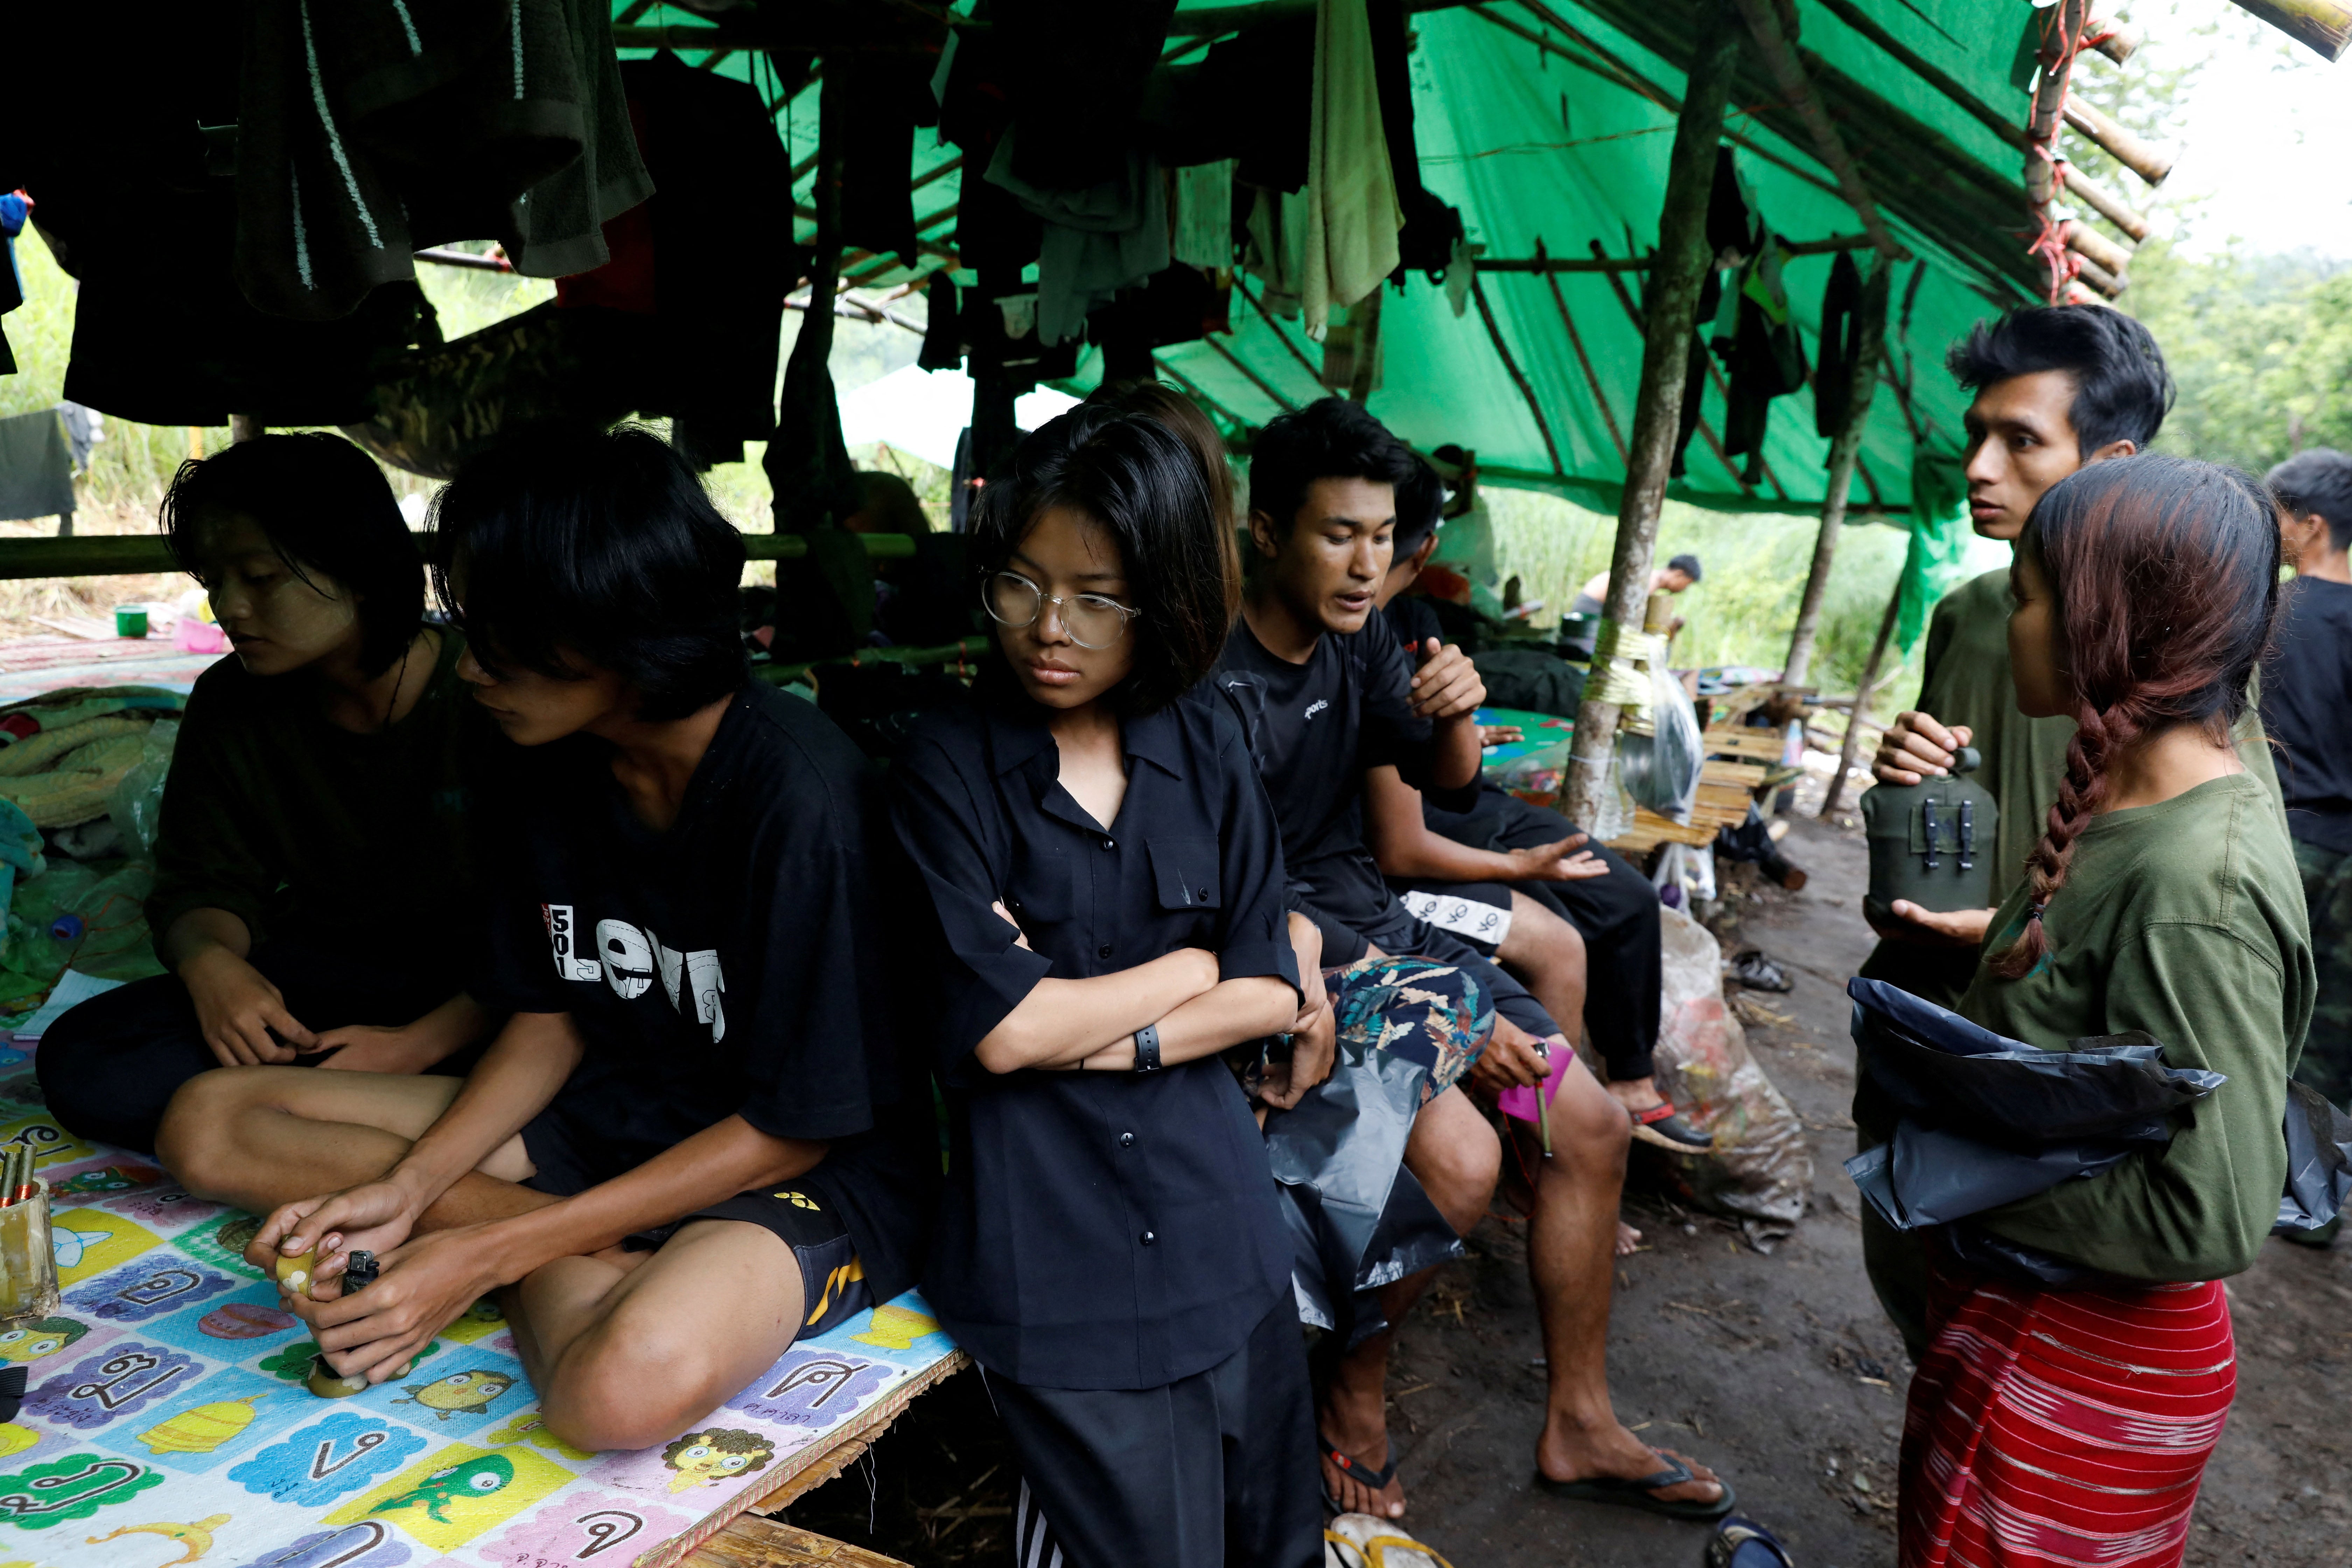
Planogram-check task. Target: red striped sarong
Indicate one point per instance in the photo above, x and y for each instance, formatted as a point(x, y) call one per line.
point(2061, 1427)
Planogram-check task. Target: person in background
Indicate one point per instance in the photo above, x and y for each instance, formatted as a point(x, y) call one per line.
point(2055, 389)
point(886, 504)
point(1676, 576)
point(315, 883)
point(2306, 701)
point(690, 1144)
point(2071, 1424)
point(1325, 694)
point(1107, 903)
point(1506, 875)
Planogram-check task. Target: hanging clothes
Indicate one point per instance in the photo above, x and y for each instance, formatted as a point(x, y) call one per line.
point(1074, 70)
point(1763, 357)
point(1352, 216)
point(1204, 215)
point(365, 132)
point(890, 96)
point(1275, 251)
point(1095, 241)
point(1841, 334)
point(1432, 228)
point(36, 466)
point(13, 208)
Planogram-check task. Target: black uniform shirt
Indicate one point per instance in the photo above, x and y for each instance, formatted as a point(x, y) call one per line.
point(1314, 728)
point(2306, 691)
point(727, 966)
point(1101, 1229)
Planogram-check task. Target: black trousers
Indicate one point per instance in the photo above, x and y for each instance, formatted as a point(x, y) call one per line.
point(1215, 1468)
point(1617, 915)
point(110, 1066)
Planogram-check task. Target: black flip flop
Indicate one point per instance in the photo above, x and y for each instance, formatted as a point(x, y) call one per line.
point(1642, 1494)
point(1736, 1532)
point(1663, 1125)
point(1374, 1478)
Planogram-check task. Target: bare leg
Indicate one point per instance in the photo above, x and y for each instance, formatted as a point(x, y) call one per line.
point(1548, 955)
point(1570, 1240)
point(261, 1136)
point(1457, 1158)
point(626, 1357)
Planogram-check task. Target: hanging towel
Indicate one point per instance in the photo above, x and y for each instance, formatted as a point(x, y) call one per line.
point(1096, 240)
point(1204, 215)
point(1352, 216)
point(36, 466)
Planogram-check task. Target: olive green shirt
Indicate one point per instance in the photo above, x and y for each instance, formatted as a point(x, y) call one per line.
point(1965, 681)
point(2184, 919)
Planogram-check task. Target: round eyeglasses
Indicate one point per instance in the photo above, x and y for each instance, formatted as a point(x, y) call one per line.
point(1092, 620)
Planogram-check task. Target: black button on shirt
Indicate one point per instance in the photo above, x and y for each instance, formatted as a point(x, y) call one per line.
point(1037, 1268)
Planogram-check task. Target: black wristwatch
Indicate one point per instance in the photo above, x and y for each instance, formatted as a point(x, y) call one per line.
point(1147, 1049)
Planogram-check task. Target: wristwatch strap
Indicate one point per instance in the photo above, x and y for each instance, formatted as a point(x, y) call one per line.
point(1147, 1049)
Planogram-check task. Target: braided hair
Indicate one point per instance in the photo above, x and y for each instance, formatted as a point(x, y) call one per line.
point(2164, 574)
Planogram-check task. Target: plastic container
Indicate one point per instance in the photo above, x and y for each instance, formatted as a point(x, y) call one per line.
point(131, 620)
point(28, 1268)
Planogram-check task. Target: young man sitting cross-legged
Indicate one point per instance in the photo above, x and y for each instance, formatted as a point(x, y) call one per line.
point(683, 1151)
point(1327, 694)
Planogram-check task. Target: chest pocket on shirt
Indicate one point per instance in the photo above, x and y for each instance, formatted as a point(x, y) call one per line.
point(1185, 873)
point(1041, 890)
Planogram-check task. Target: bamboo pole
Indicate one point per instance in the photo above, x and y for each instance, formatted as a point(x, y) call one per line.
point(1763, 20)
point(2323, 25)
point(2100, 278)
point(2115, 39)
point(1592, 378)
point(1542, 262)
point(2106, 203)
point(1845, 449)
point(2150, 163)
point(2089, 243)
point(1670, 316)
point(1519, 377)
point(1862, 694)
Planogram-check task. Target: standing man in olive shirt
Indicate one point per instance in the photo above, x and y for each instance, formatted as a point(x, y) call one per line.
point(2307, 687)
point(2056, 388)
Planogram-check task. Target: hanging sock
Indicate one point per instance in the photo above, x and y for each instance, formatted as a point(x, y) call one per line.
point(1352, 216)
point(1840, 335)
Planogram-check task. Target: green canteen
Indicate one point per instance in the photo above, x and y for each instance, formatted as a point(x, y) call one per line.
point(1932, 842)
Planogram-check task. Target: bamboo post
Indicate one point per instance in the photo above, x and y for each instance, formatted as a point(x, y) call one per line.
point(1845, 448)
point(1862, 693)
point(2106, 203)
point(2150, 163)
point(2325, 24)
point(1670, 315)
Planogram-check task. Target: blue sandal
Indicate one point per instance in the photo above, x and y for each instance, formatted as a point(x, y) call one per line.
point(1743, 1543)
point(1642, 1493)
point(1374, 1478)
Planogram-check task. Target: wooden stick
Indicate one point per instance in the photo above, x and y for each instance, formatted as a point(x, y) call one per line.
point(1852, 742)
point(1669, 319)
point(1503, 352)
point(1943, 82)
point(1576, 342)
point(2099, 278)
point(2149, 163)
point(2105, 201)
point(1845, 448)
point(2049, 102)
point(1254, 379)
point(2324, 25)
point(1545, 263)
point(1780, 57)
point(1258, 303)
point(2089, 243)
point(2115, 39)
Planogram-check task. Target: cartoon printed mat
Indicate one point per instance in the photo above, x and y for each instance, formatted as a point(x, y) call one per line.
point(166, 1423)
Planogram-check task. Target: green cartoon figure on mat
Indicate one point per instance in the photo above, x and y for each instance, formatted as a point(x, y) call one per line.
point(716, 1454)
point(459, 1392)
point(43, 1336)
point(474, 1478)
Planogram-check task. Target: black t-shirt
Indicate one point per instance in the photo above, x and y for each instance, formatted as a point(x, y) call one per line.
point(2306, 693)
point(727, 966)
point(1413, 621)
point(1313, 729)
point(1100, 1230)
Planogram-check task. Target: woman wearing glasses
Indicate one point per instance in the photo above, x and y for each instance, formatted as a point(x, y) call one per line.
point(1106, 876)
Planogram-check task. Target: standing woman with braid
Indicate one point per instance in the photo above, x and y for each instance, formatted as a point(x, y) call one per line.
point(2072, 1425)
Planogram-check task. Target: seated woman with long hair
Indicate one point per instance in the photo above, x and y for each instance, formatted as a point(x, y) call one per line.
point(2066, 1425)
point(1106, 880)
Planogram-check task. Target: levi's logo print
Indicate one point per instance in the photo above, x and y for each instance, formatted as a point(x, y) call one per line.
point(629, 960)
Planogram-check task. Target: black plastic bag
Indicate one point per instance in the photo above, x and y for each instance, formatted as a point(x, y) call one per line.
point(2318, 1159)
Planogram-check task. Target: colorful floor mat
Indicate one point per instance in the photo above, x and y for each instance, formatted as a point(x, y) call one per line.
point(166, 1422)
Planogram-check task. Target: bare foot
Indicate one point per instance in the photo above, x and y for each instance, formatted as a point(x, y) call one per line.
point(1628, 1240)
point(1615, 1452)
point(1358, 1428)
point(1637, 1093)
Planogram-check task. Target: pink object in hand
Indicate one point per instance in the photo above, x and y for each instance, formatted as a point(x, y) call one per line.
point(1520, 1100)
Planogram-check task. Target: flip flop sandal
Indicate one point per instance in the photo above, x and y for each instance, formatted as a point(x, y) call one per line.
point(1372, 1552)
point(1752, 968)
point(1642, 1494)
point(1743, 1543)
point(1663, 1125)
point(1363, 1475)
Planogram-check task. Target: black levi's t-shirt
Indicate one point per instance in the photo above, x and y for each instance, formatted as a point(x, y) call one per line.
point(727, 966)
point(1315, 727)
point(2307, 691)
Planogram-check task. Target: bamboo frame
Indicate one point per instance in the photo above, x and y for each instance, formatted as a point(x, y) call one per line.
point(1503, 352)
point(2324, 25)
point(2106, 203)
point(1706, 430)
point(1780, 56)
point(2089, 243)
point(2143, 158)
point(1576, 342)
point(1254, 379)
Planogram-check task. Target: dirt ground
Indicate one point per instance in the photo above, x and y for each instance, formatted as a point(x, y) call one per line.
point(1777, 1370)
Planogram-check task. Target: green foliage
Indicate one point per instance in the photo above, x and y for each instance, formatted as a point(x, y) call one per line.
point(2261, 346)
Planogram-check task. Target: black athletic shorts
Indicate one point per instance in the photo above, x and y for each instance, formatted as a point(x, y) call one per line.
point(833, 1280)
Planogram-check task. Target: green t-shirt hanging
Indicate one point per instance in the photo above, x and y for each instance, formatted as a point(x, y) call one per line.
point(2184, 919)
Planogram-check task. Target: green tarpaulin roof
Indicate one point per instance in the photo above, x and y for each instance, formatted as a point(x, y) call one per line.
point(1551, 125)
